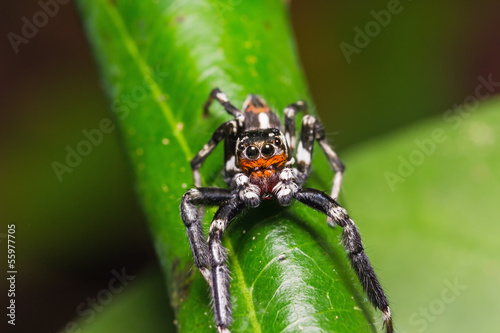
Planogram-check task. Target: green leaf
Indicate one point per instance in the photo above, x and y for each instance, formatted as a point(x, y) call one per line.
point(159, 61)
point(438, 226)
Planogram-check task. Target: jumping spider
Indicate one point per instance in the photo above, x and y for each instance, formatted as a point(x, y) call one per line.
point(259, 165)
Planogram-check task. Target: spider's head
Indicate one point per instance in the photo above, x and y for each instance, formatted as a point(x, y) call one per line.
point(261, 149)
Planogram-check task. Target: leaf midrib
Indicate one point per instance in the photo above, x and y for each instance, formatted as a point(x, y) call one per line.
point(167, 112)
point(158, 94)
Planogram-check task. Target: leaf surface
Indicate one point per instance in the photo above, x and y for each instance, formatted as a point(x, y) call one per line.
point(159, 61)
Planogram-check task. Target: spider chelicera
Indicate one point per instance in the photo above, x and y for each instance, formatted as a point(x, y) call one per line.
point(259, 164)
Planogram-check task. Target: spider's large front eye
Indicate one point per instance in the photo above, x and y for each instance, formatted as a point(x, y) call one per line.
point(252, 152)
point(267, 150)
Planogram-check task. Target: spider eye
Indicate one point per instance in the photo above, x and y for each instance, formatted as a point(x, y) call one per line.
point(277, 142)
point(252, 152)
point(241, 146)
point(267, 150)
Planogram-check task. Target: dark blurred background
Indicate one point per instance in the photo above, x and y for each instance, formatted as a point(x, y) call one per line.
point(72, 233)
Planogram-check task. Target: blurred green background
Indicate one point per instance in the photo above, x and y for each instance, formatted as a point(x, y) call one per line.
point(72, 234)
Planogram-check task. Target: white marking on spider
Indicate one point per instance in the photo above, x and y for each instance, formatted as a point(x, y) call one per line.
point(386, 314)
point(263, 120)
point(205, 150)
point(291, 163)
point(251, 196)
point(303, 155)
point(284, 192)
point(218, 252)
point(286, 174)
point(193, 193)
point(309, 120)
point(241, 119)
point(216, 225)
point(222, 97)
point(290, 112)
point(231, 163)
point(240, 179)
point(338, 213)
point(191, 213)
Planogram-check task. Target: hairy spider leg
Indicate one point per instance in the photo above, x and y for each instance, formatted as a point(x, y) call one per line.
point(218, 258)
point(220, 97)
point(290, 113)
point(227, 130)
point(312, 130)
point(351, 240)
point(193, 220)
point(230, 168)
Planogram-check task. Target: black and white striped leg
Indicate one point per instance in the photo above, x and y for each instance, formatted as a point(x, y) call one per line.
point(353, 246)
point(218, 257)
point(224, 131)
point(290, 113)
point(190, 213)
point(220, 97)
point(312, 130)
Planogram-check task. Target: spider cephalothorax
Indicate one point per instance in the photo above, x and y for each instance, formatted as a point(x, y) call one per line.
point(259, 164)
point(261, 155)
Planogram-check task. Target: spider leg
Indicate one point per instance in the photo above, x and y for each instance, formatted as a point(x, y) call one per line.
point(220, 97)
point(290, 113)
point(218, 257)
point(312, 130)
point(192, 218)
point(287, 186)
point(224, 131)
point(353, 246)
point(248, 193)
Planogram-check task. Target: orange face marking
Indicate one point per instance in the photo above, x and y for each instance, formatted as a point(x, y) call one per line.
point(262, 165)
point(255, 109)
